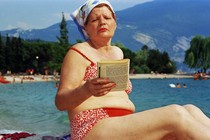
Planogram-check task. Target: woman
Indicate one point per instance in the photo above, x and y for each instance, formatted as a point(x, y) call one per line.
point(97, 113)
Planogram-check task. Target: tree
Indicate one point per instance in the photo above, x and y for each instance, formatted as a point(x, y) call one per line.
point(206, 63)
point(8, 53)
point(153, 61)
point(2, 60)
point(145, 60)
point(167, 65)
point(63, 39)
point(198, 55)
point(1, 43)
point(160, 62)
point(58, 54)
point(141, 60)
point(19, 55)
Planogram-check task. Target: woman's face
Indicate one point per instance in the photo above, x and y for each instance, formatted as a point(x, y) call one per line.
point(100, 23)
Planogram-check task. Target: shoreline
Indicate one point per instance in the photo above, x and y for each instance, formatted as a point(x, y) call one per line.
point(44, 78)
point(29, 78)
point(160, 76)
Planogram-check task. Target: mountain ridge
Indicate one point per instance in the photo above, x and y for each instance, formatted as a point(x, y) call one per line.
point(167, 25)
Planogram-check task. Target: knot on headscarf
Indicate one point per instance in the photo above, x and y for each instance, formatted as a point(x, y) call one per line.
point(80, 15)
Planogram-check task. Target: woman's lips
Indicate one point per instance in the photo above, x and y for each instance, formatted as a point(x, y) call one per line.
point(102, 29)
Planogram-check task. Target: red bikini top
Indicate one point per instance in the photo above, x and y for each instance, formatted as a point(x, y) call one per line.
point(91, 71)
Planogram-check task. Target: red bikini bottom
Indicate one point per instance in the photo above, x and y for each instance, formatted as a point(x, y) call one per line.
point(116, 112)
point(84, 121)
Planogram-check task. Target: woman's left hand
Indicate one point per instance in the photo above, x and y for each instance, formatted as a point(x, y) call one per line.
point(99, 86)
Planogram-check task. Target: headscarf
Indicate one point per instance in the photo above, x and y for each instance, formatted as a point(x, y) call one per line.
point(80, 15)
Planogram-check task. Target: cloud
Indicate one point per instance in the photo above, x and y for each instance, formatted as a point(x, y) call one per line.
point(9, 27)
point(23, 25)
point(19, 24)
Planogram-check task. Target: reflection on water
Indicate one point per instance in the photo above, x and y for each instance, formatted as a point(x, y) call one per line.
point(30, 106)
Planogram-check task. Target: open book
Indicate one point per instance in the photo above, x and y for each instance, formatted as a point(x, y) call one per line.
point(116, 70)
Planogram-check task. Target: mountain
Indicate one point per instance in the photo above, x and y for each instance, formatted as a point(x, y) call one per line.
point(167, 25)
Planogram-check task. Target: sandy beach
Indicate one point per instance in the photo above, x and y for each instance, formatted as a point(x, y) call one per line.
point(42, 78)
point(30, 78)
point(159, 76)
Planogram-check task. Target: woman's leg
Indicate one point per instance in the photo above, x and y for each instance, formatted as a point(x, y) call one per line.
point(198, 114)
point(169, 123)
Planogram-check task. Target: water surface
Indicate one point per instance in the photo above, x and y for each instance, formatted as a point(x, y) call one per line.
point(30, 106)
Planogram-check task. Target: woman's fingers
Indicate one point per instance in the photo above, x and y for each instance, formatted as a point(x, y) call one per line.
point(100, 86)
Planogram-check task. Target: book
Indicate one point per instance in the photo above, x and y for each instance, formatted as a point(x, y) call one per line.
point(116, 70)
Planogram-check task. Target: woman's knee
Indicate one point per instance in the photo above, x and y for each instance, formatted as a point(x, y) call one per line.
point(179, 114)
point(190, 107)
point(178, 109)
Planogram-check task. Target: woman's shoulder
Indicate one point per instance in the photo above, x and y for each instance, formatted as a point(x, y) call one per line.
point(79, 46)
point(80, 51)
point(116, 48)
point(118, 51)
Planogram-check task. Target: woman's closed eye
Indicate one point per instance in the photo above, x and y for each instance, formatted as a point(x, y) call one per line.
point(94, 20)
point(105, 17)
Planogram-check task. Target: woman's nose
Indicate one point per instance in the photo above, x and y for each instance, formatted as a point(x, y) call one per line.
point(102, 20)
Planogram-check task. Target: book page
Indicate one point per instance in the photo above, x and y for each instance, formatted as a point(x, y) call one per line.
point(117, 71)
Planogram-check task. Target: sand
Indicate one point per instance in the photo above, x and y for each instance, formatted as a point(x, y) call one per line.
point(29, 78)
point(42, 78)
point(159, 76)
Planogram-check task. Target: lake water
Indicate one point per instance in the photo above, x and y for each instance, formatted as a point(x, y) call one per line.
point(30, 106)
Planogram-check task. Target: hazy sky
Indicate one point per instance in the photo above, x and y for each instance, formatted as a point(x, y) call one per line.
point(38, 14)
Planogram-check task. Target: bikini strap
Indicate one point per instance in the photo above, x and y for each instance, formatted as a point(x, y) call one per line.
point(82, 54)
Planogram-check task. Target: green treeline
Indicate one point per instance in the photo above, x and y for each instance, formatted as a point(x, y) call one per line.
point(148, 60)
point(198, 55)
point(18, 55)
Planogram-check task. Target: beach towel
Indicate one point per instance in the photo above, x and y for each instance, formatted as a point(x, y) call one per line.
point(16, 136)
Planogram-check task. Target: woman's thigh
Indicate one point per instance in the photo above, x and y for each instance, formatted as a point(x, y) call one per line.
point(152, 124)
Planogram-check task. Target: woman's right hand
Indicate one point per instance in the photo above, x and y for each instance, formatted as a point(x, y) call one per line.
point(99, 86)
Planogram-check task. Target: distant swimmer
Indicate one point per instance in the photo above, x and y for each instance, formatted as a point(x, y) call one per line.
point(178, 85)
point(184, 85)
point(175, 85)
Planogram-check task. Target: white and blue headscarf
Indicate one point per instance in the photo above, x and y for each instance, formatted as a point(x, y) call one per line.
point(80, 15)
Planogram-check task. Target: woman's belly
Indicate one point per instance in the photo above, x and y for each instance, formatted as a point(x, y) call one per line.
point(111, 100)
